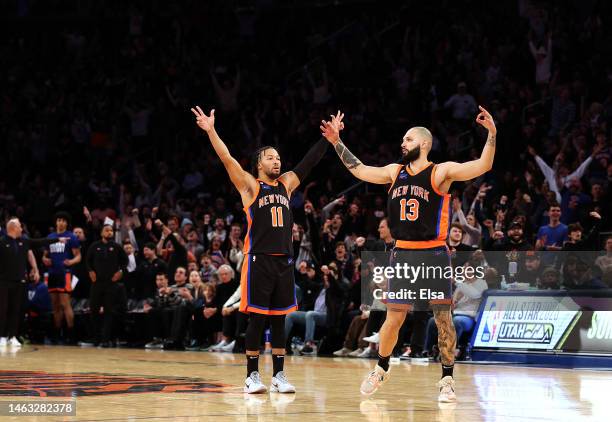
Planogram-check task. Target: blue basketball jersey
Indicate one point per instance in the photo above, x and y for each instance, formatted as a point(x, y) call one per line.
point(58, 252)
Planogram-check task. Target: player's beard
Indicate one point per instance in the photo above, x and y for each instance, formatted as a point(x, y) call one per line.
point(272, 175)
point(411, 155)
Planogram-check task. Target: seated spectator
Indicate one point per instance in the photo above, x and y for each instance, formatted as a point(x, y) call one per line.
point(531, 268)
point(184, 294)
point(207, 268)
point(604, 262)
point(225, 289)
point(354, 336)
point(206, 315)
point(159, 310)
point(324, 310)
point(550, 279)
point(234, 325)
point(216, 254)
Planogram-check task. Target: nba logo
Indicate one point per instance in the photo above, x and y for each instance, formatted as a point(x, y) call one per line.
point(254, 258)
point(486, 334)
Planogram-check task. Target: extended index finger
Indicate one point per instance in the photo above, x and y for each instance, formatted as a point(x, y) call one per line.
point(194, 111)
point(484, 110)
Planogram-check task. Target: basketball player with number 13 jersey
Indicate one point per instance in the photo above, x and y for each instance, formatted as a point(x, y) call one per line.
point(418, 208)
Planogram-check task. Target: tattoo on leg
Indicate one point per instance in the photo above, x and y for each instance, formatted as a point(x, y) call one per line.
point(346, 156)
point(447, 338)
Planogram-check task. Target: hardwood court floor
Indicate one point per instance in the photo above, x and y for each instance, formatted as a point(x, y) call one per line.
point(140, 385)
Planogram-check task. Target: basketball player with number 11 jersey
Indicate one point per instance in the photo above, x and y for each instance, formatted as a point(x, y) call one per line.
point(267, 284)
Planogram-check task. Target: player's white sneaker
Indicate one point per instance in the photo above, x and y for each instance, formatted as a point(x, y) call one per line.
point(374, 338)
point(3, 341)
point(280, 384)
point(253, 384)
point(14, 343)
point(447, 390)
point(374, 380)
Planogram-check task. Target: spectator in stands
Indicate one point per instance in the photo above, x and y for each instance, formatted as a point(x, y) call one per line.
point(148, 269)
point(207, 268)
point(471, 229)
point(604, 262)
point(576, 241)
point(171, 246)
point(550, 279)
point(193, 244)
point(462, 105)
point(217, 231)
point(324, 312)
point(159, 310)
point(183, 294)
point(227, 286)
point(552, 236)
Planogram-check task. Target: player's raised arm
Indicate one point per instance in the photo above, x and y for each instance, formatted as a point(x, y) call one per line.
point(244, 182)
point(293, 178)
point(380, 175)
point(471, 169)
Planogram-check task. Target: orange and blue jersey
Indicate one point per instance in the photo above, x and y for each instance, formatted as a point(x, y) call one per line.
point(418, 212)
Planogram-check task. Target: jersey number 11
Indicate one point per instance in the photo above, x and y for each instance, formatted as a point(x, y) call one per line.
point(277, 216)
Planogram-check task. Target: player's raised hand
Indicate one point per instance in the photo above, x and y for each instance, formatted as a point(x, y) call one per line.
point(206, 123)
point(331, 129)
point(485, 119)
point(337, 120)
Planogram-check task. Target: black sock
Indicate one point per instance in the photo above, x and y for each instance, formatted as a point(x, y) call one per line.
point(383, 362)
point(252, 364)
point(278, 362)
point(447, 371)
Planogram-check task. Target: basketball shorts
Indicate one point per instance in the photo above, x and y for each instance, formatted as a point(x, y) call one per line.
point(422, 277)
point(267, 285)
point(59, 283)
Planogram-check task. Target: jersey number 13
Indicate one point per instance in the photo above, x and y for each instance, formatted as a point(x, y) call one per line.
point(409, 209)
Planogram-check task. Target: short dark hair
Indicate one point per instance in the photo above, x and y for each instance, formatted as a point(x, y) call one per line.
point(339, 243)
point(150, 245)
point(63, 215)
point(256, 158)
point(554, 205)
point(163, 274)
point(574, 227)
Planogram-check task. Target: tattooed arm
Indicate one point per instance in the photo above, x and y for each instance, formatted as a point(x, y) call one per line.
point(447, 337)
point(379, 175)
point(451, 171)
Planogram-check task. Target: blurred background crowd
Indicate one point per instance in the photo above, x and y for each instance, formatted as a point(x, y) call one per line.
point(95, 122)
